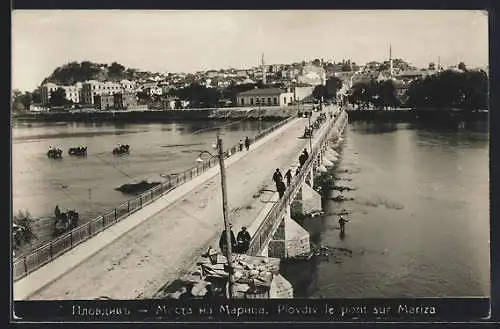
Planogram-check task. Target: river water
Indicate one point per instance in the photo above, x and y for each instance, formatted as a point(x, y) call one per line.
point(418, 217)
point(87, 184)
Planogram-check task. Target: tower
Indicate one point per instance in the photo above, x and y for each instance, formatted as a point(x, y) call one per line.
point(263, 71)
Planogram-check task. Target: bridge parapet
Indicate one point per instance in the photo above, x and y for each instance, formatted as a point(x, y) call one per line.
point(277, 214)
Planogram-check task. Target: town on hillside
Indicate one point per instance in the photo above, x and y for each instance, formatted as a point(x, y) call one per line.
point(90, 87)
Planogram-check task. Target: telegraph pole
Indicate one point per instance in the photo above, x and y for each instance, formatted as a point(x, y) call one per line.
point(226, 216)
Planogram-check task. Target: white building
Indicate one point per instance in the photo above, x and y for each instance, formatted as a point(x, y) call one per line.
point(128, 86)
point(313, 75)
point(302, 92)
point(72, 93)
point(265, 97)
point(93, 88)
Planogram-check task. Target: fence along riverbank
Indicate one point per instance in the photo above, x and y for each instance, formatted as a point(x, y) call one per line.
point(55, 248)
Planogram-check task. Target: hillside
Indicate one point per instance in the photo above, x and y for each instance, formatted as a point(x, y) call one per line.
point(73, 72)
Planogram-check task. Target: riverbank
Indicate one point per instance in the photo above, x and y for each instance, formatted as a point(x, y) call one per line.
point(249, 113)
point(415, 115)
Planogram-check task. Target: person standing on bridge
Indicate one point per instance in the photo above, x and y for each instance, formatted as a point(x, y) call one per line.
point(305, 153)
point(281, 187)
point(247, 143)
point(223, 240)
point(57, 212)
point(277, 177)
point(241, 145)
point(243, 239)
point(288, 177)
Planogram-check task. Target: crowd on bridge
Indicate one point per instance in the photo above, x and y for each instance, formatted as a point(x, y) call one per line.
point(241, 243)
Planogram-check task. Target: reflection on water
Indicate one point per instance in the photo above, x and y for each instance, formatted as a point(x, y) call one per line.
point(87, 184)
point(419, 218)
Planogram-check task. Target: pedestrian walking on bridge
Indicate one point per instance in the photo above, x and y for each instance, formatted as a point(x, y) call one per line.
point(247, 143)
point(281, 187)
point(277, 176)
point(288, 177)
point(241, 145)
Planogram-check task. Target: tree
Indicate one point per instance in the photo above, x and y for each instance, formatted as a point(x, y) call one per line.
point(461, 66)
point(318, 92)
point(20, 101)
point(449, 89)
point(24, 232)
point(116, 71)
point(346, 67)
point(58, 97)
point(332, 86)
point(316, 62)
point(432, 66)
point(16, 104)
point(144, 97)
point(199, 95)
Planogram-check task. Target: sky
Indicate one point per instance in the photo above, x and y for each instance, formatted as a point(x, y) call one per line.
point(189, 41)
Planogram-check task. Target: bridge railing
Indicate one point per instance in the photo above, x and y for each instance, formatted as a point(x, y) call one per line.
point(55, 248)
point(264, 232)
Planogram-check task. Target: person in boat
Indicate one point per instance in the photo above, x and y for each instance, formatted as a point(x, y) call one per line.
point(243, 239)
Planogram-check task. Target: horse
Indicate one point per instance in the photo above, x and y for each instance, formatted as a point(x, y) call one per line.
point(121, 149)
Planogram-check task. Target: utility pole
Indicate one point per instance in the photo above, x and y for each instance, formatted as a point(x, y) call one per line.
point(225, 214)
point(310, 134)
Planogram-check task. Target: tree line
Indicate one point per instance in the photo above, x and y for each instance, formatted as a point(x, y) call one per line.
point(448, 89)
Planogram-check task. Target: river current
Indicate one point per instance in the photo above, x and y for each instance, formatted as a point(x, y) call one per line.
point(88, 184)
point(418, 205)
point(418, 216)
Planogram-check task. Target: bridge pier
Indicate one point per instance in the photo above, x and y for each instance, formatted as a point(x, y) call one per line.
point(306, 201)
point(289, 240)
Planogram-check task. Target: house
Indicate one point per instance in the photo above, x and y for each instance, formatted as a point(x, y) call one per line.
point(104, 101)
point(72, 93)
point(92, 88)
point(265, 96)
point(313, 75)
point(302, 92)
point(125, 100)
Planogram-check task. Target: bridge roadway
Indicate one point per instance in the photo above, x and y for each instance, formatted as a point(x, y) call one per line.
point(136, 257)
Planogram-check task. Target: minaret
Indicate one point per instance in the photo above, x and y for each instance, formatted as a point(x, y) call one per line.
point(263, 71)
point(439, 63)
point(391, 72)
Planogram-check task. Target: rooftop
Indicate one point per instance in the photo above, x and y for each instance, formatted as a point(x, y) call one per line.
point(264, 91)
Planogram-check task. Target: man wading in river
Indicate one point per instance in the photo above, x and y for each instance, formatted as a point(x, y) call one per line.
point(342, 222)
